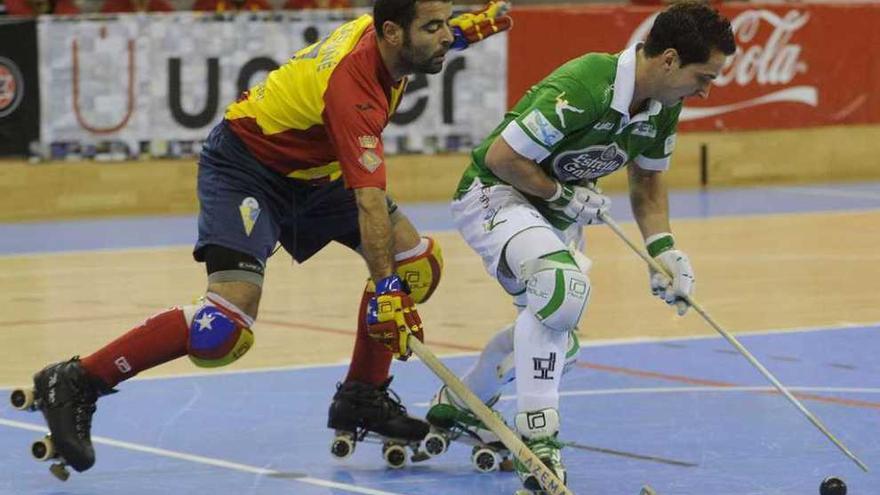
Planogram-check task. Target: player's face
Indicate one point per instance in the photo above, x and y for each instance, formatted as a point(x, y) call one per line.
point(692, 79)
point(428, 38)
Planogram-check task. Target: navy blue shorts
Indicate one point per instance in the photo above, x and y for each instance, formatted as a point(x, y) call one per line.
point(250, 208)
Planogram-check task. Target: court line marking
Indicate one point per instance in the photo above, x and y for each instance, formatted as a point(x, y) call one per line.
point(690, 390)
point(174, 244)
point(841, 326)
point(209, 461)
point(827, 191)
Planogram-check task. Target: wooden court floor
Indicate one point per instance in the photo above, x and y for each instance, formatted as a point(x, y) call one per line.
point(753, 273)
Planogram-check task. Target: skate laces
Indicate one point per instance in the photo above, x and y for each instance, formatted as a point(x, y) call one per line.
point(82, 419)
point(390, 397)
point(546, 448)
point(84, 396)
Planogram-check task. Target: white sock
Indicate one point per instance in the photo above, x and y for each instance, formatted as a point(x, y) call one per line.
point(483, 377)
point(540, 359)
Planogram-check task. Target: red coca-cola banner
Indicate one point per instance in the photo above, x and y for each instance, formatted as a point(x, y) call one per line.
point(796, 65)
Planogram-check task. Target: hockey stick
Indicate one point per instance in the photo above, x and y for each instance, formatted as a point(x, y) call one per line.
point(552, 485)
point(735, 343)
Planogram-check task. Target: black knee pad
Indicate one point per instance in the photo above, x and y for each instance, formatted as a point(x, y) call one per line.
point(228, 265)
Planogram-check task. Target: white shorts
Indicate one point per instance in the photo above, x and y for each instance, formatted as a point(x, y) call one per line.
point(489, 216)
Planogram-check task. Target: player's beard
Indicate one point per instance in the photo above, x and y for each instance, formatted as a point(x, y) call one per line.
point(417, 60)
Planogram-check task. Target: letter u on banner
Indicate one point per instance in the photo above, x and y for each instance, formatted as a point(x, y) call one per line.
point(129, 107)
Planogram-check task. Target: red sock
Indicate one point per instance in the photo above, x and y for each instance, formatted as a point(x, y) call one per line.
point(160, 339)
point(370, 360)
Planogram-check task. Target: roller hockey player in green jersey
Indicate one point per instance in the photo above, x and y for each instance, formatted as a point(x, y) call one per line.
point(529, 190)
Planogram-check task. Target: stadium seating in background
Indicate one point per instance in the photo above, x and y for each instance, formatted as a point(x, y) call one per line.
point(37, 7)
point(316, 4)
point(230, 5)
point(120, 6)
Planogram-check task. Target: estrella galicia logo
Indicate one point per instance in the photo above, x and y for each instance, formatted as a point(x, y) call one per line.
point(589, 163)
point(11, 86)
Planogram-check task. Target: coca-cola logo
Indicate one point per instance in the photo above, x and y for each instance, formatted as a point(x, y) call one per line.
point(775, 61)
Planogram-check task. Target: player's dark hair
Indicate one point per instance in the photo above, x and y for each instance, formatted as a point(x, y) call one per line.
point(400, 12)
point(693, 28)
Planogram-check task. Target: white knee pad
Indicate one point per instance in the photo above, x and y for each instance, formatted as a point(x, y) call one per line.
point(556, 292)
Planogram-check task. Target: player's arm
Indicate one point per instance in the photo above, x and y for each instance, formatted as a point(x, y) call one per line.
point(531, 137)
point(650, 204)
point(520, 172)
point(375, 228)
point(649, 199)
point(356, 131)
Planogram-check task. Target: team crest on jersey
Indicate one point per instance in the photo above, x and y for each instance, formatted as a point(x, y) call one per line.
point(368, 142)
point(370, 160)
point(589, 163)
point(250, 211)
point(542, 129)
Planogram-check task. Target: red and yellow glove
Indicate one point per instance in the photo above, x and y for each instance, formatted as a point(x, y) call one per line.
point(392, 317)
point(472, 27)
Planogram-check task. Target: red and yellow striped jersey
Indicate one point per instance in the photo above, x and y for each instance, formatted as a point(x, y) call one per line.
point(321, 115)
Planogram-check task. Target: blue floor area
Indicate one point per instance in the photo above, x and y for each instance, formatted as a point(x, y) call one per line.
point(35, 237)
point(686, 416)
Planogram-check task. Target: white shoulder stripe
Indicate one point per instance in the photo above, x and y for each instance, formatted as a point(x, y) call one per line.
point(655, 164)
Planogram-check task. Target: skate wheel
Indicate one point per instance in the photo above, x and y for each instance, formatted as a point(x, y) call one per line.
point(342, 447)
point(395, 455)
point(435, 444)
point(506, 465)
point(523, 492)
point(22, 398)
point(59, 471)
point(485, 460)
point(43, 449)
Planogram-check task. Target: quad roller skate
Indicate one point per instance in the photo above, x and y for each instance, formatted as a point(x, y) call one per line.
point(452, 423)
point(362, 412)
point(66, 396)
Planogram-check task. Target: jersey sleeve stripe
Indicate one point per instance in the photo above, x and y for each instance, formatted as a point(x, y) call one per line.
point(517, 139)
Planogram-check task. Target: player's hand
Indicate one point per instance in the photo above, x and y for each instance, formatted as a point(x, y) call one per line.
point(681, 285)
point(472, 27)
point(579, 204)
point(392, 317)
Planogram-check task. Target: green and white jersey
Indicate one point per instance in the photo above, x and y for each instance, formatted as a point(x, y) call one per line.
point(575, 124)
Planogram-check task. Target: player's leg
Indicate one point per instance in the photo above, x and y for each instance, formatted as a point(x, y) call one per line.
point(419, 262)
point(213, 332)
point(487, 219)
point(557, 292)
point(364, 401)
point(532, 262)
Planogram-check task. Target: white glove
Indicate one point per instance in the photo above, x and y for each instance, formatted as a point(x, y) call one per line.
point(679, 267)
point(578, 204)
